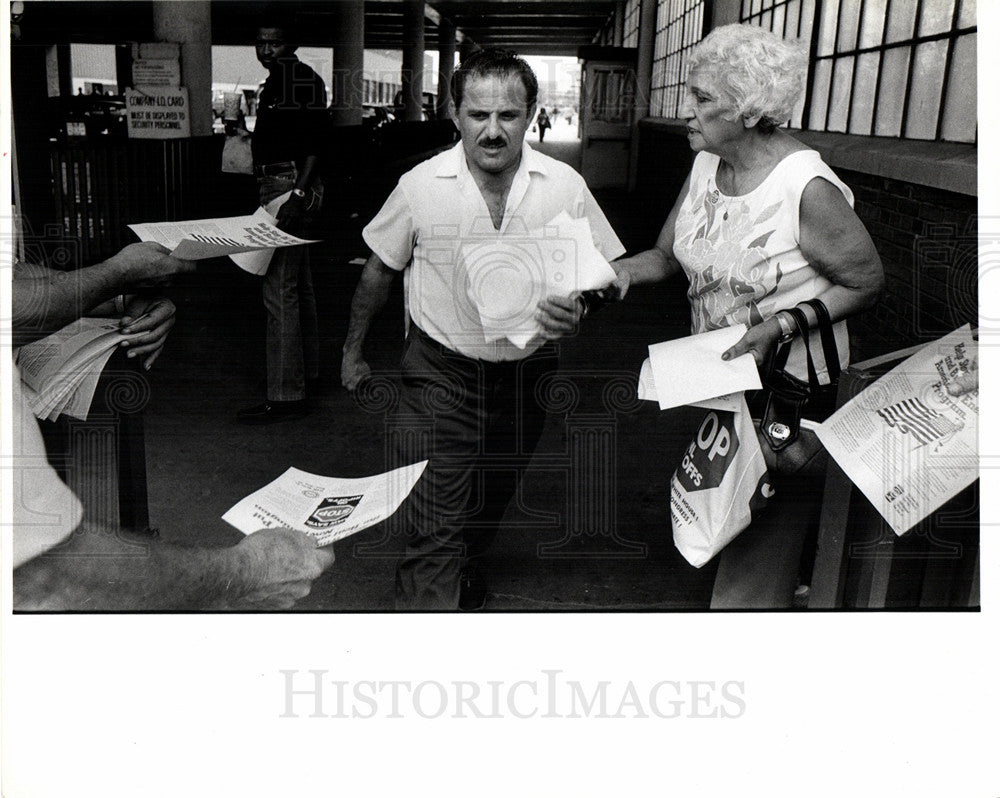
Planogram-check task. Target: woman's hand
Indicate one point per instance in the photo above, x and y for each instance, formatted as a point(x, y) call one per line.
point(622, 283)
point(146, 324)
point(759, 339)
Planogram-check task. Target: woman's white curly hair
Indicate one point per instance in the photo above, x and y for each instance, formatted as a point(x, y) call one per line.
point(761, 74)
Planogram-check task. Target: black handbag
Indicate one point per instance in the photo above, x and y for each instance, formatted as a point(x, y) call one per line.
point(787, 448)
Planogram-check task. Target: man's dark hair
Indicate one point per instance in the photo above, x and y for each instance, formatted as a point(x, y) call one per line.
point(493, 61)
point(274, 16)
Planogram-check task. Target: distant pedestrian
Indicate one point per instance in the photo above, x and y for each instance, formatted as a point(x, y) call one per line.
point(543, 124)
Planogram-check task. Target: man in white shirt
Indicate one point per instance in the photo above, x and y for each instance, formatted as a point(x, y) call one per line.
point(479, 402)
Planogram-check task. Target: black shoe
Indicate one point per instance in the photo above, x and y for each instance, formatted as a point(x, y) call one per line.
point(268, 412)
point(472, 596)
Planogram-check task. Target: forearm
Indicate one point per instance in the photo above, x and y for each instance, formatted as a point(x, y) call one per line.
point(651, 266)
point(102, 570)
point(369, 298)
point(842, 302)
point(49, 300)
point(855, 285)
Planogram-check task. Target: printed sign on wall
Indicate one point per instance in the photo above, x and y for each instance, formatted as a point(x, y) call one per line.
point(158, 113)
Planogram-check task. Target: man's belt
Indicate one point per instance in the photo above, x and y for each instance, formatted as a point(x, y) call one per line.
point(268, 169)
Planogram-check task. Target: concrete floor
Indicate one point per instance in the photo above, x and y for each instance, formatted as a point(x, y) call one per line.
point(201, 461)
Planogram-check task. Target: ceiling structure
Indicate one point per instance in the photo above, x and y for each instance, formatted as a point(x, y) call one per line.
point(531, 27)
point(535, 27)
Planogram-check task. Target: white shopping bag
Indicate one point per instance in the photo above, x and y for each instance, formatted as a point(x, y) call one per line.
point(721, 483)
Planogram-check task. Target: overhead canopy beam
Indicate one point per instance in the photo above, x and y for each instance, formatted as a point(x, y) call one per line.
point(563, 25)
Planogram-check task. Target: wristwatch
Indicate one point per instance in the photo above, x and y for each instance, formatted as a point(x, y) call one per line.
point(787, 331)
point(298, 192)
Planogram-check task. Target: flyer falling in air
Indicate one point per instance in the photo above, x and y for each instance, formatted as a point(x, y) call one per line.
point(909, 441)
point(326, 508)
point(211, 238)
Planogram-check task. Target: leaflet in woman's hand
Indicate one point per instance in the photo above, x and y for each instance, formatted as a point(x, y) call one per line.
point(691, 370)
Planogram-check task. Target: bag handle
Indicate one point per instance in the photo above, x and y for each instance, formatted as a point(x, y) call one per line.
point(830, 351)
point(801, 333)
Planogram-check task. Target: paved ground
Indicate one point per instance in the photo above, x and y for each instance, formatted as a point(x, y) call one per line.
point(616, 555)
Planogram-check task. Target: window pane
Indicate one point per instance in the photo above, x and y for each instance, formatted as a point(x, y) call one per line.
point(779, 21)
point(925, 90)
point(901, 19)
point(935, 17)
point(93, 65)
point(872, 23)
point(863, 102)
point(967, 14)
point(848, 26)
point(792, 18)
point(827, 29)
point(841, 98)
point(808, 11)
point(765, 20)
point(889, 114)
point(821, 86)
point(960, 104)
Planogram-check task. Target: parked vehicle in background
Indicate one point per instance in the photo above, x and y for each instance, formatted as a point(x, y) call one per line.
point(375, 116)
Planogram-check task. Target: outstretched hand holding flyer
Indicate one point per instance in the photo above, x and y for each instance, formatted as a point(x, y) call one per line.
point(211, 238)
point(326, 508)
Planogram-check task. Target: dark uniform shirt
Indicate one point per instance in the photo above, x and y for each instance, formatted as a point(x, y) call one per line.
point(292, 120)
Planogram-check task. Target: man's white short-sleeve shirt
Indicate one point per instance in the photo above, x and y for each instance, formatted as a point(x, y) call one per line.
point(437, 207)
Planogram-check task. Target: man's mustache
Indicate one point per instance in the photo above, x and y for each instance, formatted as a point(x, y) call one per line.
point(492, 143)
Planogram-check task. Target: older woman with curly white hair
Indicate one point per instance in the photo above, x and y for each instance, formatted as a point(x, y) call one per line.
point(761, 225)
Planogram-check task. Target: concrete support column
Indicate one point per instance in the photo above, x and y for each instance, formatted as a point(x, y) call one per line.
point(644, 65)
point(348, 36)
point(446, 65)
point(64, 65)
point(413, 59)
point(619, 37)
point(643, 79)
point(189, 22)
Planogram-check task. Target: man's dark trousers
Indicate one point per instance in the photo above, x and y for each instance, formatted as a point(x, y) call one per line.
point(477, 423)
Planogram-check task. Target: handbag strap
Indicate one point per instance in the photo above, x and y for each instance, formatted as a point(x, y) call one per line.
point(830, 351)
point(802, 333)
